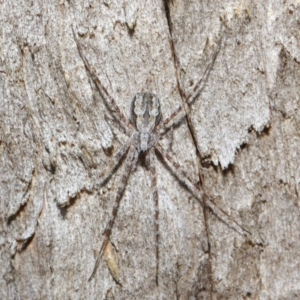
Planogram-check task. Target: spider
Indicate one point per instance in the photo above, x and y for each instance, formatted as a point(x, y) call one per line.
point(144, 131)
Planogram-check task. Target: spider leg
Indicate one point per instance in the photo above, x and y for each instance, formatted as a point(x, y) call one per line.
point(114, 164)
point(116, 125)
point(190, 99)
point(196, 192)
point(155, 198)
point(131, 161)
point(108, 100)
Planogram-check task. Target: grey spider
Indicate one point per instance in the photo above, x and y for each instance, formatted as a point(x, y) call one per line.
point(144, 132)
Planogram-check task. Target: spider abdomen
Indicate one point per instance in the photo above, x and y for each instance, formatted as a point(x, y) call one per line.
point(145, 115)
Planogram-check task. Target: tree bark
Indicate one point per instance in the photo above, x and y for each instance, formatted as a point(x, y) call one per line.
point(239, 141)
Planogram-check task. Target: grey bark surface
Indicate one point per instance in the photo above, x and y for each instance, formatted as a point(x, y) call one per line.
point(242, 140)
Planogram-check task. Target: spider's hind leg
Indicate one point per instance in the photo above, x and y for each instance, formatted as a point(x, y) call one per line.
point(109, 101)
point(182, 111)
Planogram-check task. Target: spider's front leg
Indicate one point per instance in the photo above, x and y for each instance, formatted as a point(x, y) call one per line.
point(130, 163)
point(114, 164)
point(194, 189)
point(154, 193)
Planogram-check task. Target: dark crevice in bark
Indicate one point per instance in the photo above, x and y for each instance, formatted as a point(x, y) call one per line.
point(14, 216)
point(22, 207)
point(191, 130)
point(26, 242)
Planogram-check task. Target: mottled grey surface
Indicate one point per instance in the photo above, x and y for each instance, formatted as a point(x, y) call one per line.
point(55, 142)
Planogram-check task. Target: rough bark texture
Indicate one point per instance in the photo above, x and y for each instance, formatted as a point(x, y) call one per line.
point(242, 140)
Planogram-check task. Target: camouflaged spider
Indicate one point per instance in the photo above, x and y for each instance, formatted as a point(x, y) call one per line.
point(144, 132)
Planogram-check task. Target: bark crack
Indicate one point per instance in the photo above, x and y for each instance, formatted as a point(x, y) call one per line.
point(192, 132)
